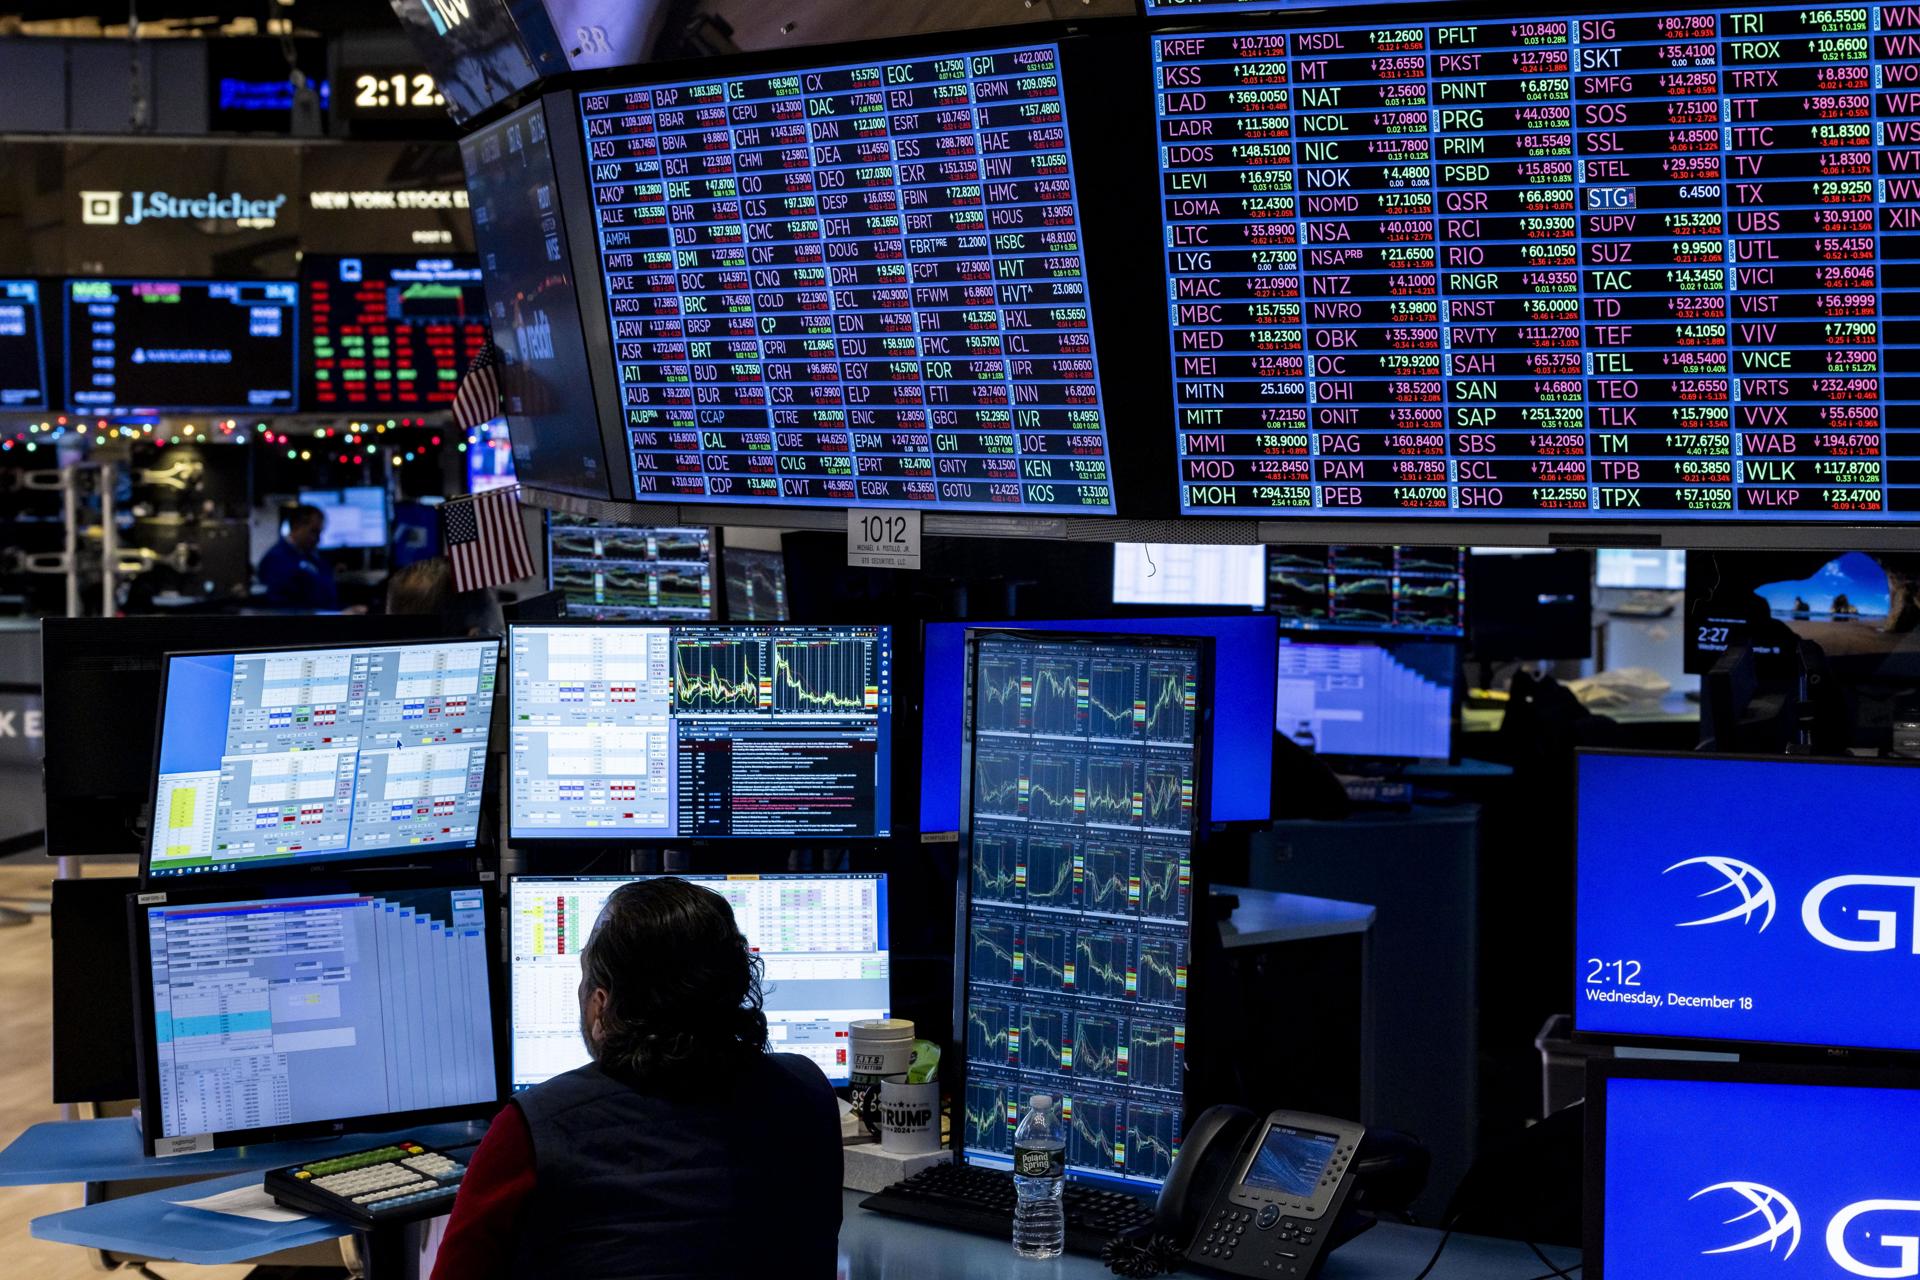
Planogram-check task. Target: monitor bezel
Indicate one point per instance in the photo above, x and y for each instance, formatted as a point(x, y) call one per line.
point(293, 866)
point(362, 883)
point(1602, 1071)
point(1867, 1056)
point(598, 844)
point(1197, 890)
point(1388, 640)
point(513, 882)
point(51, 397)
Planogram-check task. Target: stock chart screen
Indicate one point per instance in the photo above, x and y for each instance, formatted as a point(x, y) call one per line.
point(1079, 897)
point(629, 573)
point(23, 352)
point(1419, 590)
point(852, 285)
point(1621, 266)
point(389, 333)
point(700, 732)
point(184, 345)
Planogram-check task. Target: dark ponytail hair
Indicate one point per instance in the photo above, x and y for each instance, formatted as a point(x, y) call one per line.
point(683, 990)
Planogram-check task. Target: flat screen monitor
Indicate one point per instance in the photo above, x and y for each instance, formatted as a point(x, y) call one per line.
point(630, 573)
point(1528, 605)
point(822, 939)
point(182, 346)
point(852, 285)
point(1621, 568)
point(359, 1008)
point(1189, 574)
point(1737, 921)
point(23, 347)
point(490, 458)
point(356, 516)
point(756, 585)
point(520, 230)
point(1241, 731)
point(631, 732)
point(1077, 895)
point(389, 333)
point(1408, 590)
point(1858, 606)
point(1377, 698)
point(270, 759)
point(1488, 271)
point(95, 1055)
point(101, 678)
point(1739, 1170)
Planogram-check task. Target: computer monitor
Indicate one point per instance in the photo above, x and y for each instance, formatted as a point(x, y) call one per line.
point(1406, 590)
point(182, 346)
point(389, 333)
point(101, 678)
point(1240, 737)
point(696, 732)
point(1632, 569)
point(1181, 573)
point(1529, 605)
point(359, 1007)
point(756, 585)
point(1086, 790)
point(630, 573)
point(1374, 698)
point(822, 938)
point(1856, 605)
point(490, 458)
point(1741, 1170)
point(23, 347)
point(1714, 907)
point(356, 516)
point(280, 757)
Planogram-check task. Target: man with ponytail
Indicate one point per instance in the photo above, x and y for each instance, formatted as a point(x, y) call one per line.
point(684, 1148)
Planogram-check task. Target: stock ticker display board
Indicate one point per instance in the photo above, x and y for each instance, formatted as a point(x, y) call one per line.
point(1641, 265)
point(852, 285)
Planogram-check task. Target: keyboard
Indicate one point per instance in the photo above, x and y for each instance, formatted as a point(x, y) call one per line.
point(980, 1201)
point(402, 1182)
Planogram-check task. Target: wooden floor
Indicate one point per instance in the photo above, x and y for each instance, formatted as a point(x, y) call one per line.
point(26, 1053)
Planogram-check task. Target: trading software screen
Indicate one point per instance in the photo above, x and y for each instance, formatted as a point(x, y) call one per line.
point(1079, 898)
point(1414, 590)
point(756, 585)
point(852, 285)
point(184, 345)
point(1385, 699)
point(822, 938)
point(356, 517)
point(289, 1011)
point(1181, 573)
point(390, 333)
point(700, 732)
point(23, 352)
point(1629, 569)
point(1611, 266)
point(317, 754)
point(1741, 920)
point(628, 573)
point(1757, 1174)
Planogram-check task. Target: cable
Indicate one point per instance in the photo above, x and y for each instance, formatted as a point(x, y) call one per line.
point(1434, 1261)
point(1541, 1254)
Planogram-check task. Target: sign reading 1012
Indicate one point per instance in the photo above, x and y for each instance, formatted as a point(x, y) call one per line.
point(883, 539)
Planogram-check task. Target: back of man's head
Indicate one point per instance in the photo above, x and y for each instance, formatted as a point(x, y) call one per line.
point(425, 587)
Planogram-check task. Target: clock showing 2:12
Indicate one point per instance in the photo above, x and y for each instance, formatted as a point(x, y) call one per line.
point(376, 92)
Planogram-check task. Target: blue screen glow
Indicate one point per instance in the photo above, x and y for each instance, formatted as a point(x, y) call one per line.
point(1718, 902)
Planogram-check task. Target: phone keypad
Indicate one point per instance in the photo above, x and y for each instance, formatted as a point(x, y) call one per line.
point(1225, 1234)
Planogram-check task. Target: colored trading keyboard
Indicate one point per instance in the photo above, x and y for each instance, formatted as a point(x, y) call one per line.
point(980, 1201)
point(403, 1182)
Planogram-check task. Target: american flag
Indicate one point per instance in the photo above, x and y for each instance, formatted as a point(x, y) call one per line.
point(485, 540)
point(477, 401)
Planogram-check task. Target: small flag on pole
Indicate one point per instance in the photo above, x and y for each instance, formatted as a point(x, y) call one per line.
point(485, 540)
point(477, 400)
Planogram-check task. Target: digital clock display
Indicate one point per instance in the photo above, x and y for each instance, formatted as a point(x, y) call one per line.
point(395, 91)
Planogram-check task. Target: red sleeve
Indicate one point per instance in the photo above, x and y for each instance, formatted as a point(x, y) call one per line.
point(481, 1236)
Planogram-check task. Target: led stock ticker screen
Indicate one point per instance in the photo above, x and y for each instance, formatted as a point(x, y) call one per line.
point(390, 333)
point(855, 284)
point(1654, 266)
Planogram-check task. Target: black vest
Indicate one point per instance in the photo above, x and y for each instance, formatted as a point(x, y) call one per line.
point(741, 1179)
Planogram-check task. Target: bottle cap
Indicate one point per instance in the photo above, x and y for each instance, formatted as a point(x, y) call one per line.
point(1041, 1102)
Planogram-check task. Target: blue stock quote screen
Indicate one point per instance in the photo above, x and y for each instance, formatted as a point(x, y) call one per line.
point(1654, 265)
point(854, 284)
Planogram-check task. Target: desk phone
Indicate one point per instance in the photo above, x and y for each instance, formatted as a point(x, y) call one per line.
point(399, 1183)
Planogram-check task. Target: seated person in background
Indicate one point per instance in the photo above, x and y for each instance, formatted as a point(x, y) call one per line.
point(292, 571)
point(426, 587)
point(684, 1148)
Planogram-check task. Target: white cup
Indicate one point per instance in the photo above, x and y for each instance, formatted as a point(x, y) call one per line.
point(910, 1117)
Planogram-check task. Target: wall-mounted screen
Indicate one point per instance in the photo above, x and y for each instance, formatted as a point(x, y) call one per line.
point(628, 572)
point(1618, 266)
point(1415, 590)
point(1189, 573)
point(852, 285)
point(188, 346)
point(23, 348)
point(389, 334)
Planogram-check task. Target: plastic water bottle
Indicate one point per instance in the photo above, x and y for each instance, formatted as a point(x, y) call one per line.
point(1039, 1172)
